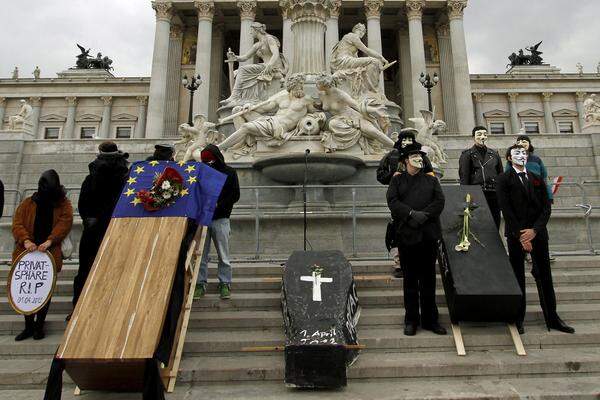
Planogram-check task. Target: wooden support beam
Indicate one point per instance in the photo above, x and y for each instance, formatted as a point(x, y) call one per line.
point(516, 338)
point(77, 391)
point(458, 340)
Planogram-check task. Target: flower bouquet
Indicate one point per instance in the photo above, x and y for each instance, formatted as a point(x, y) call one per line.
point(165, 190)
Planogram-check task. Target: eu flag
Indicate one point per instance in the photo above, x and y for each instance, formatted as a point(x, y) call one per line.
point(201, 189)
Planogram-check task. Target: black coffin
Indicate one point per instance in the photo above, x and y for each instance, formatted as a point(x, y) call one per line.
point(318, 331)
point(479, 284)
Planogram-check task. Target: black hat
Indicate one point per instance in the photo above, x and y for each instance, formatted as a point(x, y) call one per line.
point(525, 137)
point(411, 149)
point(109, 148)
point(405, 133)
point(164, 147)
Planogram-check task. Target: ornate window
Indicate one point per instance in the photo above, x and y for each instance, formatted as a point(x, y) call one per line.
point(87, 132)
point(531, 127)
point(123, 132)
point(51, 132)
point(497, 128)
point(565, 127)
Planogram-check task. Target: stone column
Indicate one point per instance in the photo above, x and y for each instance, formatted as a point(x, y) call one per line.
point(308, 27)
point(332, 34)
point(414, 12)
point(206, 11)
point(460, 63)
point(36, 105)
point(158, 81)
point(140, 128)
point(579, 99)
point(548, 118)
point(405, 72)
point(247, 15)
point(69, 129)
point(514, 113)
point(479, 118)
point(216, 70)
point(373, 14)
point(173, 81)
point(2, 111)
point(447, 76)
point(104, 132)
point(288, 39)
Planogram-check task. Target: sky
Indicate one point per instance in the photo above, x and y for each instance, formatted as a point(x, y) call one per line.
point(44, 33)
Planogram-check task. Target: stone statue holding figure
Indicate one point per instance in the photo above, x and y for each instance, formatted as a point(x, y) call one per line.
point(195, 137)
point(362, 73)
point(591, 110)
point(352, 121)
point(22, 120)
point(255, 82)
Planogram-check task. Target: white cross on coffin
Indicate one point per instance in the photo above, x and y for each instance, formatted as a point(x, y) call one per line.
point(316, 280)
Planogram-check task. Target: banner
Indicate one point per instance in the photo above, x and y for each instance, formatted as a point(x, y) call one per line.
point(31, 282)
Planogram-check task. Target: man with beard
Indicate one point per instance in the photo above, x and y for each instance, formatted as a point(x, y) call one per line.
point(416, 201)
point(99, 194)
point(523, 199)
point(219, 230)
point(481, 165)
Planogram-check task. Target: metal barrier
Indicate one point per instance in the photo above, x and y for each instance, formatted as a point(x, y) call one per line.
point(8, 206)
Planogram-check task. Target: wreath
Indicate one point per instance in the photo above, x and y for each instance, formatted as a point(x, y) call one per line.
point(166, 189)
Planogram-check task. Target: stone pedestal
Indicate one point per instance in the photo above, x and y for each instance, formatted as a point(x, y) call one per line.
point(76, 73)
point(308, 28)
point(543, 69)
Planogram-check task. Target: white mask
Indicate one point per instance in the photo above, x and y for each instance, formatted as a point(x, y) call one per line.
point(416, 160)
point(481, 137)
point(406, 141)
point(518, 157)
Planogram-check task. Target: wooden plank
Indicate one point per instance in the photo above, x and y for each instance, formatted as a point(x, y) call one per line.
point(516, 338)
point(123, 304)
point(77, 391)
point(196, 250)
point(458, 340)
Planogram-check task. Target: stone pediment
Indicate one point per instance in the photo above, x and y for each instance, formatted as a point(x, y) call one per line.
point(88, 118)
point(496, 113)
point(124, 117)
point(531, 113)
point(565, 113)
point(53, 118)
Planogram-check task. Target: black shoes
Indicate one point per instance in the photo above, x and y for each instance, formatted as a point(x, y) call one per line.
point(26, 334)
point(38, 334)
point(397, 273)
point(560, 325)
point(410, 329)
point(520, 328)
point(435, 328)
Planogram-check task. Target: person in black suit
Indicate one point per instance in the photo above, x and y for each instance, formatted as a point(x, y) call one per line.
point(523, 199)
point(480, 165)
point(416, 201)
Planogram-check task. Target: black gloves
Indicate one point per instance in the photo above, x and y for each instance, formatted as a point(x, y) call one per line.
point(419, 217)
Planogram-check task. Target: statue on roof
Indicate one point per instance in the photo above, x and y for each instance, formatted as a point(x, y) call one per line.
point(85, 61)
point(535, 58)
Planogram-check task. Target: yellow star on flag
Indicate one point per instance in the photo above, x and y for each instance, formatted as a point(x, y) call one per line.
point(139, 169)
point(184, 192)
point(129, 192)
point(135, 201)
point(191, 179)
point(181, 163)
point(190, 168)
point(131, 180)
point(154, 163)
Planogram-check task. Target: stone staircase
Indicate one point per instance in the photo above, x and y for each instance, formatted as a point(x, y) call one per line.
point(392, 366)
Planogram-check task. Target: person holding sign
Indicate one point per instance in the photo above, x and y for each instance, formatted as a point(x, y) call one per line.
point(40, 223)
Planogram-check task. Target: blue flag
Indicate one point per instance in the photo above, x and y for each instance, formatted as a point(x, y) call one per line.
point(197, 200)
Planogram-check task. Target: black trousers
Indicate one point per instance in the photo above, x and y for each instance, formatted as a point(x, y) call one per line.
point(90, 242)
point(418, 264)
point(36, 321)
point(492, 201)
point(541, 272)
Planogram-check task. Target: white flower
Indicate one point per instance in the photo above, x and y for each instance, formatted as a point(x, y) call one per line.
point(166, 195)
point(166, 185)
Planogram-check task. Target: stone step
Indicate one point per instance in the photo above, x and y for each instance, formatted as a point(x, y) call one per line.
point(200, 320)
point(367, 298)
point(401, 365)
point(568, 387)
point(262, 268)
point(476, 337)
point(273, 283)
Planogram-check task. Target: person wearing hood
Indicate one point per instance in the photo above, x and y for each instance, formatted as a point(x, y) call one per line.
point(416, 200)
point(41, 222)
point(480, 165)
point(389, 165)
point(219, 230)
point(98, 197)
point(534, 165)
point(162, 152)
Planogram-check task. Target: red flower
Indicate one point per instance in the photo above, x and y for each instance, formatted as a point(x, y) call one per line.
point(537, 182)
point(169, 174)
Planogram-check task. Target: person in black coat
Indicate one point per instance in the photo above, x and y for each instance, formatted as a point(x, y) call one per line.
point(219, 230)
point(523, 199)
point(1, 198)
point(480, 165)
point(389, 166)
point(99, 194)
point(162, 152)
point(416, 201)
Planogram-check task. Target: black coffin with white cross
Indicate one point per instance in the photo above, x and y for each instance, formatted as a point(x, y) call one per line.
point(320, 313)
point(479, 284)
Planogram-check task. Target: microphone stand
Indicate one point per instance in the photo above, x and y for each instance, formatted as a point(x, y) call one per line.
point(306, 153)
